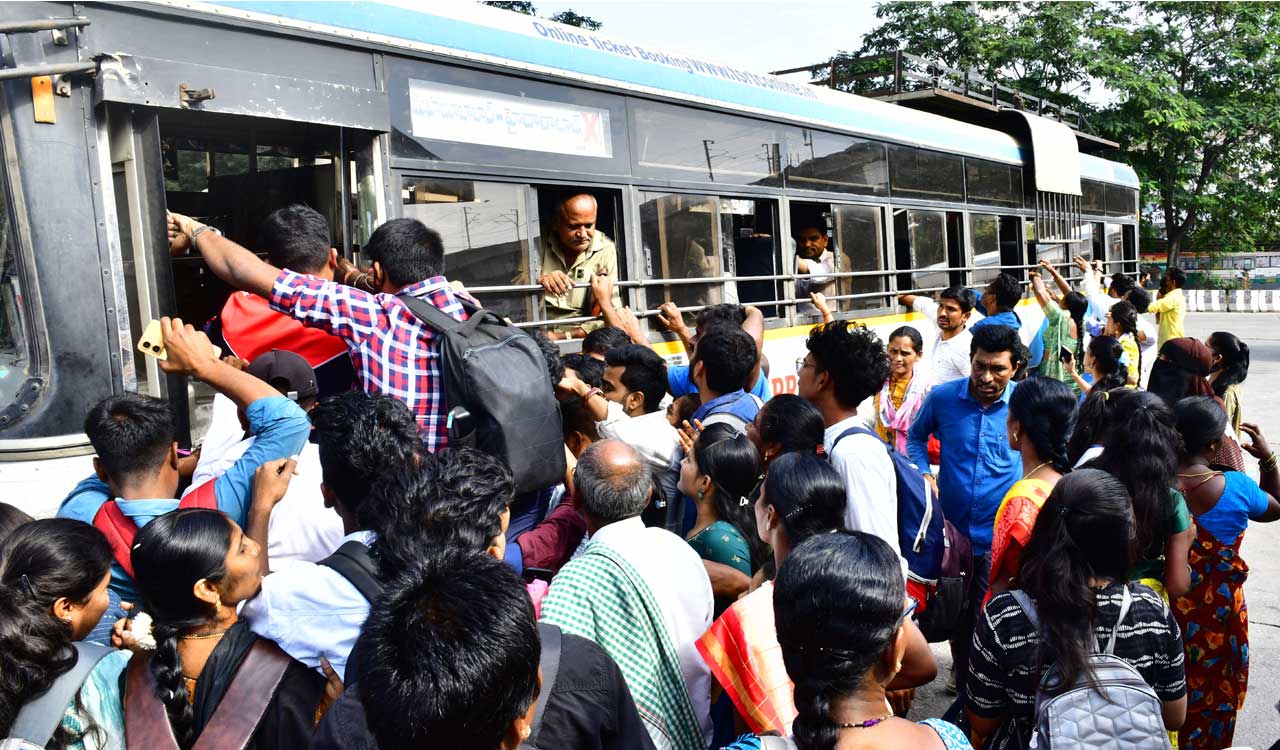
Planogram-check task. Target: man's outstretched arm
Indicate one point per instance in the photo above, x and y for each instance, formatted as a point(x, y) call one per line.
point(227, 260)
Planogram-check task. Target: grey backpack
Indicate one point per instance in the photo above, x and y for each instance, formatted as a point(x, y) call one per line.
point(1116, 710)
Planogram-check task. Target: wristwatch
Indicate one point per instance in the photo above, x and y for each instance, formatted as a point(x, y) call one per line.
point(202, 228)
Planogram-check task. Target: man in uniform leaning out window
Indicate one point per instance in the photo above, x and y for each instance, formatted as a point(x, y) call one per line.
point(572, 252)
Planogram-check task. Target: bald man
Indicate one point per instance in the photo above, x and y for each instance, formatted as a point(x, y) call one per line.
point(572, 252)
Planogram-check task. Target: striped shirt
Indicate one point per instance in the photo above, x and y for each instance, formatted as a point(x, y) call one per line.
point(394, 353)
point(1005, 668)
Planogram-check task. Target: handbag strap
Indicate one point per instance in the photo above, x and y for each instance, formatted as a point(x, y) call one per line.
point(1125, 600)
point(234, 721)
point(39, 718)
point(552, 638)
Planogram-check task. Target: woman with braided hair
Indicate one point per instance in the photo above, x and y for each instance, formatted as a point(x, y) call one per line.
point(844, 630)
point(1042, 414)
point(193, 567)
point(1104, 366)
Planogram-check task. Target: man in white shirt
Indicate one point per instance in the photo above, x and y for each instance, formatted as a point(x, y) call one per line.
point(814, 260)
point(301, 528)
point(947, 337)
point(611, 489)
point(311, 610)
point(846, 364)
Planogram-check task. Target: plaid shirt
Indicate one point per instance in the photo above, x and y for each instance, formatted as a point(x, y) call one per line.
point(394, 353)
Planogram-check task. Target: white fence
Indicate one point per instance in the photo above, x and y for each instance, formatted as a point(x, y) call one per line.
point(1239, 300)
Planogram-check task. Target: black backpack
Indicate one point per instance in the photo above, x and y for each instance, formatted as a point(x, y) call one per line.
point(496, 383)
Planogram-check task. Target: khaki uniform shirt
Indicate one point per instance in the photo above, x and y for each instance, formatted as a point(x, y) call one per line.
point(601, 257)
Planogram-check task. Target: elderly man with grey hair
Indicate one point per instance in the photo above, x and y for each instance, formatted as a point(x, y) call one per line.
point(641, 593)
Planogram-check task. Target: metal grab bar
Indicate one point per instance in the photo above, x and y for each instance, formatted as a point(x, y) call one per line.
point(43, 24)
point(54, 69)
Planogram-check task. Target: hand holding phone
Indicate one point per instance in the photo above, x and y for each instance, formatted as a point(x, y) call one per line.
point(162, 335)
point(1065, 355)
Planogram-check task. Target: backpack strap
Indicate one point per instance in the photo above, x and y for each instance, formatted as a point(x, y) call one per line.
point(120, 530)
point(1028, 608)
point(354, 562)
point(429, 314)
point(1126, 600)
point(725, 417)
point(241, 709)
point(552, 640)
point(39, 718)
point(146, 723)
point(234, 721)
point(852, 431)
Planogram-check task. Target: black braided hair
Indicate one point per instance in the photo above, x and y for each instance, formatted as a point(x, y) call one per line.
point(1077, 306)
point(1125, 316)
point(170, 555)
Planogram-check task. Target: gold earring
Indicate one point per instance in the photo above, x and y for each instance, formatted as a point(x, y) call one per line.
point(525, 732)
point(1015, 436)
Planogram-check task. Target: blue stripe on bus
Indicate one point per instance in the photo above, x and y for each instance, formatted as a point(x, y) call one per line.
point(417, 26)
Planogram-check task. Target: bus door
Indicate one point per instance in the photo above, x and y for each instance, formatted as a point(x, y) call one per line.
point(855, 237)
point(231, 172)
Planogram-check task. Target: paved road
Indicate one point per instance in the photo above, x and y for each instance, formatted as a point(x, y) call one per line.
point(1259, 724)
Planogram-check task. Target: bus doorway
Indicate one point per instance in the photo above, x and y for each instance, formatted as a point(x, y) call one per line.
point(230, 172)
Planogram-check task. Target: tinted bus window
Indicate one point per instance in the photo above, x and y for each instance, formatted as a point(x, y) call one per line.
point(837, 163)
point(449, 114)
point(1093, 197)
point(915, 173)
point(485, 230)
point(993, 183)
point(1121, 201)
point(926, 233)
point(696, 146)
point(984, 239)
point(859, 235)
point(681, 235)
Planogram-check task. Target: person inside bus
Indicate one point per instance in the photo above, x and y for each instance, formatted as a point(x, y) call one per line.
point(408, 259)
point(136, 466)
point(573, 251)
point(295, 237)
point(814, 260)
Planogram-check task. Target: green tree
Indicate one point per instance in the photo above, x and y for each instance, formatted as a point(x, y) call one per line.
point(566, 17)
point(1187, 88)
point(1197, 112)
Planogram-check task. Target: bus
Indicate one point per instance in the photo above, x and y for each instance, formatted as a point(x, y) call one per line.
point(478, 122)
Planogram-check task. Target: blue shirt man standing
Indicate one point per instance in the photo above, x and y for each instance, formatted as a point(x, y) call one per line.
point(977, 465)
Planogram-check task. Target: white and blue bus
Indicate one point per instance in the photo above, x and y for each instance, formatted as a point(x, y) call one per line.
point(477, 122)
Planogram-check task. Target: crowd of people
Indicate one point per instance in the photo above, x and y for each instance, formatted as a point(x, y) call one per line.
point(340, 566)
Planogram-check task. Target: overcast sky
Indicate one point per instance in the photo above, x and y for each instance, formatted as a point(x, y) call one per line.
point(755, 35)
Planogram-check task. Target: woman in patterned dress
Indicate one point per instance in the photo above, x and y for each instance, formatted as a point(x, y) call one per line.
point(1213, 616)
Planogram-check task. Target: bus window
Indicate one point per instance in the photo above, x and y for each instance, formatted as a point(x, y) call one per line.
point(752, 227)
point(682, 240)
point(920, 239)
point(984, 242)
point(859, 234)
point(607, 251)
point(485, 230)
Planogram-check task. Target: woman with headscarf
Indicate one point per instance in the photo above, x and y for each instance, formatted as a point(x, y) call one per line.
point(1182, 370)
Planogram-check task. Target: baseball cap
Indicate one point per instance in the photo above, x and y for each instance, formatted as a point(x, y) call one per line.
point(287, 372)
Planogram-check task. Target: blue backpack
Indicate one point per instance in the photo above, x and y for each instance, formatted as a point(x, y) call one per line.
point(921, 526)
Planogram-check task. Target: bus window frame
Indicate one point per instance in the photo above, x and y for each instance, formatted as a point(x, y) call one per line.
point(37, 344)
point(886, 274)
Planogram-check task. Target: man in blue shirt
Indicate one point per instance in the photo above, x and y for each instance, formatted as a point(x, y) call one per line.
point(977, 464)
point(137, 456)
point(999, 300)
point(680, 377)
point(721, 364)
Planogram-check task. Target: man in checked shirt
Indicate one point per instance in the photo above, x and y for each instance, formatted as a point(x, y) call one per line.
point(393, 352)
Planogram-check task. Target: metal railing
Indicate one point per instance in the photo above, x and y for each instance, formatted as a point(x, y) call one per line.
point(902, 72)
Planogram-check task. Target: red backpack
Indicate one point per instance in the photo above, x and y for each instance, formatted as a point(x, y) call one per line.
point(120, 530)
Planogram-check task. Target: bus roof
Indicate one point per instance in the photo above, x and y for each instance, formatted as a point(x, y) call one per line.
point(472, 31)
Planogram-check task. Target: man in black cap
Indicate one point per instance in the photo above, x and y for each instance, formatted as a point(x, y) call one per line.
point(300, 528)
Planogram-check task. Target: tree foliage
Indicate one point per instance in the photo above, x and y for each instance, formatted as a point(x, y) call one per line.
point(566, 17)
point(1189, 90)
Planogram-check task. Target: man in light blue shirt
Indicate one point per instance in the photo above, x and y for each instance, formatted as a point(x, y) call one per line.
point(680, 379)
point(137, 455)
point(999, 301)
point(310, 609)
point(977, 465)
